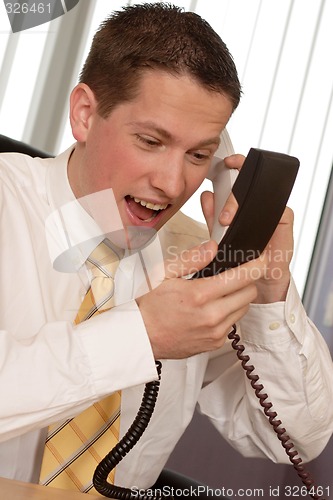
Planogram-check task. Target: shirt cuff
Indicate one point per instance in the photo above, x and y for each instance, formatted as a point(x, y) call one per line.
point(272, 325)
point(118, 349)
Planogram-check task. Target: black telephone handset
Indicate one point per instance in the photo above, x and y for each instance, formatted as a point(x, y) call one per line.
point(262, 189)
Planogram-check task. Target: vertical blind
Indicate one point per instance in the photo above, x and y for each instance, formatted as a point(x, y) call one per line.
point(283, 54)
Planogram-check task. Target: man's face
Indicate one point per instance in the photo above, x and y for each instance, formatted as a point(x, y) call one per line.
point(154, 151)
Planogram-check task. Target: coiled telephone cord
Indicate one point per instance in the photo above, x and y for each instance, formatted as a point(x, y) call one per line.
point(125, 445)
point(146, 410)
point(271, 415)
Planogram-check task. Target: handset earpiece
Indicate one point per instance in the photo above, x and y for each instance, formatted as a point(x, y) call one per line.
point(223, 179)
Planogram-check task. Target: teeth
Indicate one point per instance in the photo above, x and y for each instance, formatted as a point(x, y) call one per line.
point(147, 204)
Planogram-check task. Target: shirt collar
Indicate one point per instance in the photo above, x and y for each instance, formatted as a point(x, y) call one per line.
point(58, 188)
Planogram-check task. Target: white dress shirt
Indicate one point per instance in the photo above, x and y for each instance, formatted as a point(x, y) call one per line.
point(51, 370)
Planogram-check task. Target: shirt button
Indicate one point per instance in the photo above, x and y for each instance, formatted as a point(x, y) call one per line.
point(292, 318)
point(274, 326)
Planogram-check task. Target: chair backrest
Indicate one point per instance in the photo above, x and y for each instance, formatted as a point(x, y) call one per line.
point(8, 145)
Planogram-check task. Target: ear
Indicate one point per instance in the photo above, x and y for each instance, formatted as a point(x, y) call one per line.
point(82, 109)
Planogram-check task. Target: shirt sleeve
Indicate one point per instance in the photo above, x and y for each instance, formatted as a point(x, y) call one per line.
point(294, 366)
point(81, 364)
point(50, 369)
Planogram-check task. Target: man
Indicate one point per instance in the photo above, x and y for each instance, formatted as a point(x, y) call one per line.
point(154, 96)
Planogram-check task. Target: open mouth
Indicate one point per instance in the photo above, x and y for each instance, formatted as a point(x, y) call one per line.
point(144, 210)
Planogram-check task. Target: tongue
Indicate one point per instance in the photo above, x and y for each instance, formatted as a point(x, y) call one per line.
point(138, 210)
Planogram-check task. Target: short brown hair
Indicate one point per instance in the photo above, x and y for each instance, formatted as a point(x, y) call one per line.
point(156, 36)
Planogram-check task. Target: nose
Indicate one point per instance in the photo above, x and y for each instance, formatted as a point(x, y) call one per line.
point(169, 176)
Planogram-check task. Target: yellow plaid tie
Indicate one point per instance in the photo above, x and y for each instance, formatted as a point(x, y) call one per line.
point(74, 448)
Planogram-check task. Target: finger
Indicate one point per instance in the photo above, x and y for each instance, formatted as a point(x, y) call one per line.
point(232, 280)
point(234, 161)
point(287, 216)
point(207, 204)
point(190, 261)
point(237, 304)
point(231, 206)
point(228, 211)
point(284, 231)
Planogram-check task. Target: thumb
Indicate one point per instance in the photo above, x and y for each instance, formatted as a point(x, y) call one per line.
point(190, 261)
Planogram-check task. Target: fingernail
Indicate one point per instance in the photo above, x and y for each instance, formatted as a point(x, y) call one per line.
point(203, 246)
point(225, 216)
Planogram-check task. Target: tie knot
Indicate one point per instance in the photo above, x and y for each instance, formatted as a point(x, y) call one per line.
point(103, 263)
point(103, 260)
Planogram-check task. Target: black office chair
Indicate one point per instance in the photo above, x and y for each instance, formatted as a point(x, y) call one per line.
point(168, 480)
point(8, 145)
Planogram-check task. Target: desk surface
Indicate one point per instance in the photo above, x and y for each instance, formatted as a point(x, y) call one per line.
point(15, 490)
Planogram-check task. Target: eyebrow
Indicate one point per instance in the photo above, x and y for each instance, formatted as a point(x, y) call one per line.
point(166, 135)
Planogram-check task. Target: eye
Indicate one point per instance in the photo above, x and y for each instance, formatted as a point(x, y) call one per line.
point(199, 157)
point(147, 140)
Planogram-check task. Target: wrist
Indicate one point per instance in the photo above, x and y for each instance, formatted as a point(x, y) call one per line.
point(269, 291)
